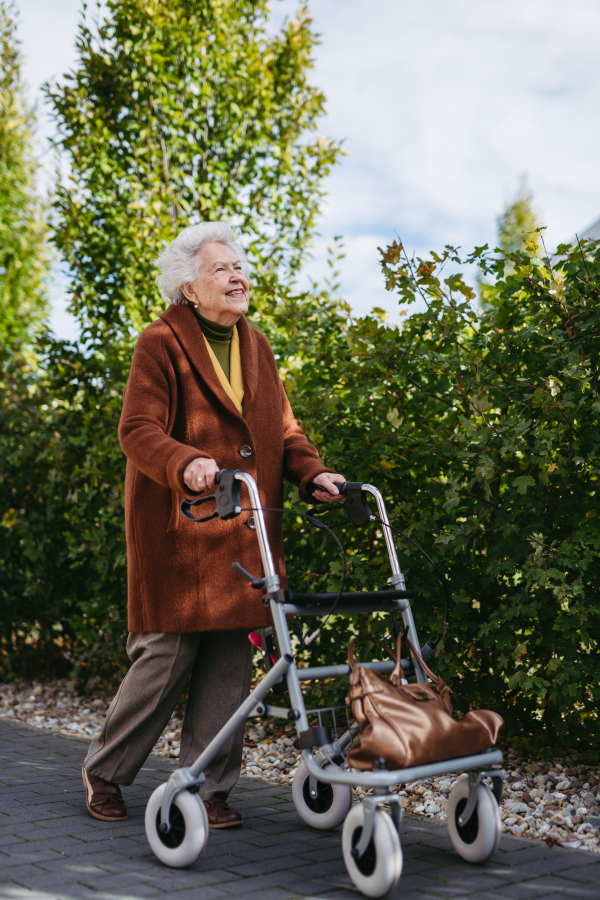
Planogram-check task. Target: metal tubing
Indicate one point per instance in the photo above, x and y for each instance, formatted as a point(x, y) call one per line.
point(261, 690)
point(397, 576)
point(283, 642)
point(259, 521)
point(387, 534)
point(342, 670)
point(336, 775)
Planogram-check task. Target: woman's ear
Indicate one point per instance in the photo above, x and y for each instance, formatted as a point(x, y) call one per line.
point(189, 293)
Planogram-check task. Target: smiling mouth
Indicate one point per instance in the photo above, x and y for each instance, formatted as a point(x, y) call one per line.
point(237, 292)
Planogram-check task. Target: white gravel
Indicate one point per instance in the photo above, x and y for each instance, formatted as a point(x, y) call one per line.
point(554, 800)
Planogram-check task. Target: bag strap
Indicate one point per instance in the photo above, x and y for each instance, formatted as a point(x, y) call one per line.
point(445, 693)
point(366, 637)
point(397, 675)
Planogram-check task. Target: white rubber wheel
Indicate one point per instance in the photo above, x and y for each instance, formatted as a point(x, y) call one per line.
point(187, 839)
point(328, 809)
point(378, 871)
point(478, 839)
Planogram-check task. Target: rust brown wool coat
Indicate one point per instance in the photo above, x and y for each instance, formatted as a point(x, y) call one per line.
point(179, 573)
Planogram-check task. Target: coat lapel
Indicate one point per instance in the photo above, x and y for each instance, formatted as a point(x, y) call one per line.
point(249, 355)
point(182, 321)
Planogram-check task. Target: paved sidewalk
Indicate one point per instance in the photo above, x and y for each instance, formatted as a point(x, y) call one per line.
point(51, 849)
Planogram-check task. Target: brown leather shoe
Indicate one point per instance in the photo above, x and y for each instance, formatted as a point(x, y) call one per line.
point(221, 815)
point(103, 798)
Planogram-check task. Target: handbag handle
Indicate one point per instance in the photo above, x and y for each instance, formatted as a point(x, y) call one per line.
point(445, 693)
point(366, 637)
point(396, 675)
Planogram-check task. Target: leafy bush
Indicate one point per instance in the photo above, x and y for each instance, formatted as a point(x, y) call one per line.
point(482, 429)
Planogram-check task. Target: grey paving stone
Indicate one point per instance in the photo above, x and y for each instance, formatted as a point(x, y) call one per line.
point(270, 894)
point(247, 870)
point(583, 873)
point(63, 854)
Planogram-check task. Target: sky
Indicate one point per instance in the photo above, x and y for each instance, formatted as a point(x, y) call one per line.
point(443, 105)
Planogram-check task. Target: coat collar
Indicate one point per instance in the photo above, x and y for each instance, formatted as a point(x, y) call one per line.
point(184, 325)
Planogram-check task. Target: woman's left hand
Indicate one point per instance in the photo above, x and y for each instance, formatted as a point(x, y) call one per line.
point(330, 494)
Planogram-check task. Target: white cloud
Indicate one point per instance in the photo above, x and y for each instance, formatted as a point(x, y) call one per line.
point(443, 105)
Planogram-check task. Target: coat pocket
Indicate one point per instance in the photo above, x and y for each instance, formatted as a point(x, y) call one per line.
point(175, 513)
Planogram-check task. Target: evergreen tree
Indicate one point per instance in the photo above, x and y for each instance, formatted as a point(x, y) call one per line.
point(515, 227)
point(24, 257)
point(517, 220)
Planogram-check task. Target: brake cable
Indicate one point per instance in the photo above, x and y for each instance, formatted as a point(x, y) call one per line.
point(445, 626)
point(441, 577)
point(306, 642)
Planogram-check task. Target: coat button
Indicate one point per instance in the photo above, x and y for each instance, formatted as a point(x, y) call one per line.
point(250, 523)
point(245, 451)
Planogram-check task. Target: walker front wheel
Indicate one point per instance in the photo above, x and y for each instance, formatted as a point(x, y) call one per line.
point(189, 828)
point(378, 870)
point(478, 838)
point(325, 811)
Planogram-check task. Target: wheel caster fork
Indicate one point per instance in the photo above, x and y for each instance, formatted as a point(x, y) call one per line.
point(179, 780)
point(475, 777)
point(370, 804)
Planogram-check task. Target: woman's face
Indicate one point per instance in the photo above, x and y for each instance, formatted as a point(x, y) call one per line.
point(221, 291)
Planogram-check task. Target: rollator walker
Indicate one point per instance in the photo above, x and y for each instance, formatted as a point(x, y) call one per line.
point(176, 820)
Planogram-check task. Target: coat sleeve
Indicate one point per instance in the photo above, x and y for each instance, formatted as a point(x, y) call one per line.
point(148, 414)
point(301, 462)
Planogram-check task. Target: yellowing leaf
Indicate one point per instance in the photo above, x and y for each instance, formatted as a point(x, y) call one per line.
point(393, 417)
point(425, 268)
point(388, 465)
point(9, 518)
point(391, 255)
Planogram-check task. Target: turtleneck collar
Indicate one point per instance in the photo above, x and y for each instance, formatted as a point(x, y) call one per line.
point(213, 330)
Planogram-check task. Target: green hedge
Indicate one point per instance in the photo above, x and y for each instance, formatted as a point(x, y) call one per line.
point(480, 429)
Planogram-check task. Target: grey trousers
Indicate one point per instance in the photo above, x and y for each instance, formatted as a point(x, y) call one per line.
point(220, 665)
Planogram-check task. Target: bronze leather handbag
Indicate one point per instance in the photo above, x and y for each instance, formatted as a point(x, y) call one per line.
point(411, 724)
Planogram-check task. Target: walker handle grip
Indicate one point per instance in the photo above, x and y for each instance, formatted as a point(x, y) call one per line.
point(311, 487)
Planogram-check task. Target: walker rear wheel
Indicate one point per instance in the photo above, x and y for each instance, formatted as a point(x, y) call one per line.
point(328, 809)
point(478, 838)
point(378, 870)
point(189, 828)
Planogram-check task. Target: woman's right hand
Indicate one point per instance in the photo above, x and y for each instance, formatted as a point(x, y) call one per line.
point(199, 475)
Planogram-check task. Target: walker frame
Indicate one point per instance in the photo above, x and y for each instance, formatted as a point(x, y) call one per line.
point(324, 758)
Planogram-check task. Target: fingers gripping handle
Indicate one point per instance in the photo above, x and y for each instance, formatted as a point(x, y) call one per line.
point(355, 504)
point(226, 498)
point(312, 487)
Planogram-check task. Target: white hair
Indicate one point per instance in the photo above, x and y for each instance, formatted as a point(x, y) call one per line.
point(180, 263)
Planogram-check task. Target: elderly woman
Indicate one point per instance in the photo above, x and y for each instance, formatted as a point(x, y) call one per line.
point(203, 394)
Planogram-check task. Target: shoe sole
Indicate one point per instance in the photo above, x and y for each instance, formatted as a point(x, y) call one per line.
point(88, 794)
point(226, 825)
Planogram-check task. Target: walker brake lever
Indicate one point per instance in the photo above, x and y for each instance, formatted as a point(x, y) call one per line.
point(226, 497)
point(186, 505)
point(256, 583)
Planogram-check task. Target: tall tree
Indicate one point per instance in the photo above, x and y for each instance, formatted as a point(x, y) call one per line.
point(176, 111)
point(180, 111)
point(24, 256)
